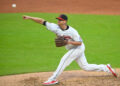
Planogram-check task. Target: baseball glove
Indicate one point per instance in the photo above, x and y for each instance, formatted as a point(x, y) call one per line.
point(60, 41)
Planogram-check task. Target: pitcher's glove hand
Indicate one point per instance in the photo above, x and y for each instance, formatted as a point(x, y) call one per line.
point(60, 41)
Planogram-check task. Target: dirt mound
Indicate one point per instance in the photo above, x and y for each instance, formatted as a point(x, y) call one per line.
point(68, 78)
point(62, 6)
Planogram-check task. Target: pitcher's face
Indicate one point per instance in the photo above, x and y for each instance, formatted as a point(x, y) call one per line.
point(62, 22)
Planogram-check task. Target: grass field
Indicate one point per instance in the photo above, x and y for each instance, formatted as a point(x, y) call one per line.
point(26, 46)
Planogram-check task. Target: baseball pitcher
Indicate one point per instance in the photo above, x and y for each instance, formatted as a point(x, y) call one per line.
point(69, 37)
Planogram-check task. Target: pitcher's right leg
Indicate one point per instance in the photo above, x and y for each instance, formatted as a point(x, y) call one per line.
point(82, 62)
point(94, 67)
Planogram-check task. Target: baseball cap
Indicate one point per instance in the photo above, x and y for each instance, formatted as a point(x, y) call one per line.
point(62, 17)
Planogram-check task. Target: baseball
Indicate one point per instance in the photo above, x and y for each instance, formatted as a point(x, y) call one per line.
point(13, 5)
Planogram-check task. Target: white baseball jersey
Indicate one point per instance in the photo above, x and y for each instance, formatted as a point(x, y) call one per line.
point(69, 32)
point(73, 53)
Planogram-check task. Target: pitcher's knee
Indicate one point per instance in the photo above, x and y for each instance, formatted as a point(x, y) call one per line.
point(86, 68)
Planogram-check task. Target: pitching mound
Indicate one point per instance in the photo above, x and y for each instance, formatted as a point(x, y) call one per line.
point(67, 78)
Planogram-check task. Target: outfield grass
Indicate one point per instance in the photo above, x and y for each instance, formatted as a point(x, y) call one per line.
point(26, 46)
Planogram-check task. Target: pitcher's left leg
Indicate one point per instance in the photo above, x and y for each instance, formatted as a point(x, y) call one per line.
point(65, 61)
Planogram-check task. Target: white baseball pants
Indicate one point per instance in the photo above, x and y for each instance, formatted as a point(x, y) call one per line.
point(78, 55)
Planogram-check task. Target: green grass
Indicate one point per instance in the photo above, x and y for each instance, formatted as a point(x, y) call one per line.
point(26, 46)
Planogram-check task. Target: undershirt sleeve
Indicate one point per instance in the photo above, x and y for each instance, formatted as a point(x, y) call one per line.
point(44, 23)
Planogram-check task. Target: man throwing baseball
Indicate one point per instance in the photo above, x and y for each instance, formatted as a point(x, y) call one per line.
point(67, 36)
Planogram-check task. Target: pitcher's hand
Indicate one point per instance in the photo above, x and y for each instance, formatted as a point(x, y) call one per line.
point(26, 17)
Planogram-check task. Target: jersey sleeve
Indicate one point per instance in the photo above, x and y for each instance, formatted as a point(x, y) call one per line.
point(76, 37)
point(52, 27)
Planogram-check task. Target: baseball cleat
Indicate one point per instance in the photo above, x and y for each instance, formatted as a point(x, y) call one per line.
point(50, 82)
point(111, 70)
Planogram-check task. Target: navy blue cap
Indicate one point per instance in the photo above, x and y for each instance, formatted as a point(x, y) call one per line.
point(62, 17)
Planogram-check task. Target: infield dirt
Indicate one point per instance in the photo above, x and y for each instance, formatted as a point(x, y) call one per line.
point(67, 78)
point(62, 6)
